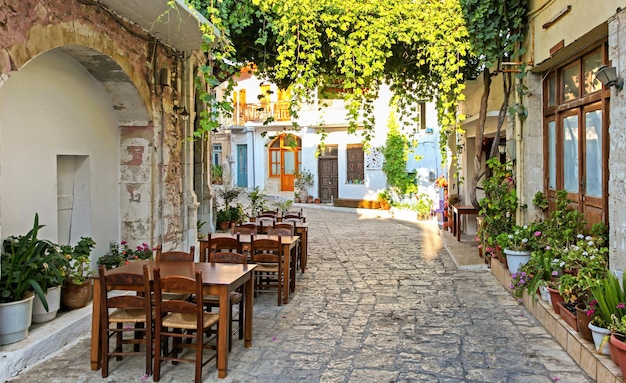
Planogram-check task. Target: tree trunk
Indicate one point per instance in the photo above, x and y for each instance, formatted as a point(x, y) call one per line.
point(480, 131)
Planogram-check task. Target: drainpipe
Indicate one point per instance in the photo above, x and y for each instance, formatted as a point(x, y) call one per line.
point(519, 158)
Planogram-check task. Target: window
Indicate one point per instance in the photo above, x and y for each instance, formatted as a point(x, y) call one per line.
point(216, 154)
point(355, 163)
point(576, 155)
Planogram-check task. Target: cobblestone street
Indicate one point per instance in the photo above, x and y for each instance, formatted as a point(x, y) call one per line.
point(381, 301)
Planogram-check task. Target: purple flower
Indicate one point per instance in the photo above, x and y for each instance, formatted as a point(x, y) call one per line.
point(555, 273)
point(537, 233)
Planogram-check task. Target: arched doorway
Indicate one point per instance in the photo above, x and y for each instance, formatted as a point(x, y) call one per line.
point(285, 159)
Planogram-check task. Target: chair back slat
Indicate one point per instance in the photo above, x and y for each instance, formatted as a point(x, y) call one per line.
point(175, 255)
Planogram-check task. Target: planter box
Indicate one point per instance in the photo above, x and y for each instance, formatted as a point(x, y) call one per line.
point(568, 316)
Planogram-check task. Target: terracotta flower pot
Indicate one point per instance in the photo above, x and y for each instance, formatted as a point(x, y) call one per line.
point(76, 296)
point(620, 351)
point(555, 298)
point(568, 316)
point(583, 322)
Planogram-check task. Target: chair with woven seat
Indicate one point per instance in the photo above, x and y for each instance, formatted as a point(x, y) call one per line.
point(123, 310)
point(175, 255)
point(245, 228)
point(184, 321)
point(269, 273)
point(236, 297)
point(282, 228)
point(294, 218)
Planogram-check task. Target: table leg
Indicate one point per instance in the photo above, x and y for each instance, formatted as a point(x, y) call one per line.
point(247, 311)
point(457, 220)
point(95, 327)
point(223, 333)
point(294, 266)
point(286, 272)
point(303, 251)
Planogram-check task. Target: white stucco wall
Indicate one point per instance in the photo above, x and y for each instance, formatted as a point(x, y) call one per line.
point(54, 107)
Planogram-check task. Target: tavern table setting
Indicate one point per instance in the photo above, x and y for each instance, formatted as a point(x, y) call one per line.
point(219, 279)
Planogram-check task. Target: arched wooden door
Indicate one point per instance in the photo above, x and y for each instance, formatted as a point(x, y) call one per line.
point(285, 159)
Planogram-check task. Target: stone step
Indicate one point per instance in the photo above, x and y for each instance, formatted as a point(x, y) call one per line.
point(44, 340)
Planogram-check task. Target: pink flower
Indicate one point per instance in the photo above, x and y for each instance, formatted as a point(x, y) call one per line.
point(620, 305)
point(590, 312)
point(537, 233)
point(123, 242)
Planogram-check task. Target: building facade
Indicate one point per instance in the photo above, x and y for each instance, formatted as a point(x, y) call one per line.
point(93, 136)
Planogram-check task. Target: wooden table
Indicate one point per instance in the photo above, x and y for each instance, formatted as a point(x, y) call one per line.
point(457, 212)
point(218, 279)
point(302, 230)
point(288, 242)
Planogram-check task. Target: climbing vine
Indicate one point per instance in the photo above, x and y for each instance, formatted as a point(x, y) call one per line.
point(396, 153)
point(423, 52)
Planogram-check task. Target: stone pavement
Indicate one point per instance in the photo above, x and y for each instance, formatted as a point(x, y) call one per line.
point(381, 301)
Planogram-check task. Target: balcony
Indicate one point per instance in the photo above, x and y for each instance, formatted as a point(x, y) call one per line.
point(258, 113)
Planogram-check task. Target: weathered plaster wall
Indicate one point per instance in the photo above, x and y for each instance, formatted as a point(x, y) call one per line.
point(151, 152)
point(530, 157)
point(617, 154)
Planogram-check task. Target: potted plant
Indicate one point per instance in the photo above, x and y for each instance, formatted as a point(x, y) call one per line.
point(499, 205)
point(223, 219)
point(77, 287)
point(518, 244)
point(50, 278)
point(258, 200)
point(22, 260)
point(217, 173)
point(113, 258)
point(608, 307)
point(384, 198)
point(283, 206)
point(304, 180)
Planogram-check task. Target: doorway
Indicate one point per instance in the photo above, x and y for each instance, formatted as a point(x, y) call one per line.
point(329, 174)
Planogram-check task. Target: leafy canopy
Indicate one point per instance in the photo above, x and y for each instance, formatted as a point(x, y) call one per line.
point(419, 48)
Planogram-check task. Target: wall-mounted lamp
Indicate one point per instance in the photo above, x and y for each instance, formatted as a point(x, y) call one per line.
point(608, 77)
point(184, 114)
point(502, 146)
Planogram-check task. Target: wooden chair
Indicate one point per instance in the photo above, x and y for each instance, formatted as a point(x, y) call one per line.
point(227, 244)
point(269, 273)
point(175, 255)
point(269, 213)
point(134, 309)
point(294, 218)
point(264, 223)
point(186, 322)
point(282, 228)
point(245, 228)
point(236, 297)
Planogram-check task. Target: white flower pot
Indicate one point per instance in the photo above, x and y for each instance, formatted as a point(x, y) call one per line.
point(600, 338)
point(53, 297)
point(545, 294)
point(515, 259)
point(15, 319)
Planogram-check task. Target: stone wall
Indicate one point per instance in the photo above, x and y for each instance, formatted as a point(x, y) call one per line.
point(617, 154)
point(151, 137)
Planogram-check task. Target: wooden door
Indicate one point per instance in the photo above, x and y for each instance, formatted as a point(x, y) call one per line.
point(288, 169)
point(329, 179)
